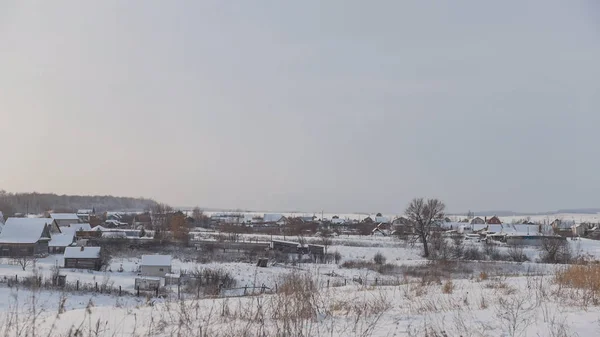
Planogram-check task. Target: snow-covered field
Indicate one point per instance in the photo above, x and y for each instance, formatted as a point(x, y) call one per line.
point(486, 299)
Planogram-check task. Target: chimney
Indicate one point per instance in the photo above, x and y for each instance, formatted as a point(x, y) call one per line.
point(82, 248)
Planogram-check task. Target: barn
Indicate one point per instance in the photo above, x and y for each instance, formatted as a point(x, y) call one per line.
point(24, 237)
point(83, 258)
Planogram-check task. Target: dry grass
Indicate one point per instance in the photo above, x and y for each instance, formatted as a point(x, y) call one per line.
point(483, 276)
point(585, 277)
point(448, 287)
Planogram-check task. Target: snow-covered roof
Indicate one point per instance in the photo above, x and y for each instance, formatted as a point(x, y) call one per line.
point(100, 228)
point(63, 239)
point(82, 252)
point(113, 234)
point(24, 230)
point(494, 228)
point(81, 227)
point(156, 260)
point(64, 216)
point(85, 211)
point(273, 217)
point(527, 229)
point(382, 219)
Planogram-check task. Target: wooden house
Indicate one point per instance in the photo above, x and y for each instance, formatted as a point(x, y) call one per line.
point(494, 221)
point(82, 258)
point(64, 219)
point(24, 237)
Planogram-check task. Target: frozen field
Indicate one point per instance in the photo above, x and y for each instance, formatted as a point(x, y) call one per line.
point(484, 298)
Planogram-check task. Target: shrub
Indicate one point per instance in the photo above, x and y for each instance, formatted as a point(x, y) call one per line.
point(337, 257)
point(448, 287)
point(380, 268)
point(516, 253)
point(473, 253)
point(555, 251)
point(379, 259)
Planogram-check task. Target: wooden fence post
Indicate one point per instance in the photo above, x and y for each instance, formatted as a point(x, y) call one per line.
point(96, 286)
point(327, 283)
point(119, 290)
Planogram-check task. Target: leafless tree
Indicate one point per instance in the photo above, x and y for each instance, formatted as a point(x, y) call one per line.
point(424, 214)
point(326, 238)
point(25, 261)
point(555, 250)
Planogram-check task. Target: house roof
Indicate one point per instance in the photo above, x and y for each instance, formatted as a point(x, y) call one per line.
point(64, 239)
point(272, 217)
point(82, 252)
point(81, 227)
point(64, 216)
point(156, 260)
point(382, 219)
point(23, 230)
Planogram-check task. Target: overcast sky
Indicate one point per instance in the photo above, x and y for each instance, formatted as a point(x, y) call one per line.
point(278, 105)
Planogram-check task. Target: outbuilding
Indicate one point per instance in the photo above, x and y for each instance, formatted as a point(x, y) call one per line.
point(155, 265)
point(83, 258)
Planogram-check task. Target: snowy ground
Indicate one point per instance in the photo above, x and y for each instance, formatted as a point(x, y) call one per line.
point(471, 308)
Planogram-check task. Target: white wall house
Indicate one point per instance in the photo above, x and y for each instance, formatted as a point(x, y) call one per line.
point(155, 265)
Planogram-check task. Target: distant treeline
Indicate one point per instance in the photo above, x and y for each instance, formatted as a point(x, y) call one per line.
point(11, 203)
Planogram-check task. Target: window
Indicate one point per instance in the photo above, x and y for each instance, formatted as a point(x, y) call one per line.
point(161, 269)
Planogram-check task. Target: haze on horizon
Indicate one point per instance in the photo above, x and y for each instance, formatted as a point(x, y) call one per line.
point(337, 105)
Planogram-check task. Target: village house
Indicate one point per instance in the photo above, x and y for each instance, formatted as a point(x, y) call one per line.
point(274, 220)
point(494, 221)
point(477, 221)
point(83, 258)
point(155, 265)
point(64, 219)
point(143, 220)
point(381, 219)
point(60, 241)
point(84, 215)
point(24, 237)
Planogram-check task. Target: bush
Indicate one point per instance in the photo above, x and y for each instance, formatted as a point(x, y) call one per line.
point(379, 259)
point(380, 268)
point(473, 253)
point(337, 257)
point(516, 253)
point(555, 251)
point(448, 287)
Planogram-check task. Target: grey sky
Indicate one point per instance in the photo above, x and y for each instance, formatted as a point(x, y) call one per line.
point(336, 105)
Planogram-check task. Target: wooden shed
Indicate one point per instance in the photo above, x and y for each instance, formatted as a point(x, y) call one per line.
point(83, 258)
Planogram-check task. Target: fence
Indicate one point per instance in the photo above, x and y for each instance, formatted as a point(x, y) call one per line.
point(60, 283)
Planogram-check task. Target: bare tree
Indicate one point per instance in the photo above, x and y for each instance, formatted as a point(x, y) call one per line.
point(424, 214)
point(325, 238)
point(25, 261)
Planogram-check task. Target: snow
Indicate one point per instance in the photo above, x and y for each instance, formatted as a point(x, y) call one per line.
point(272, 217)
point(82, 252)
point(156, 260)
point(63, 239)
point(23, 230)
point(80, 227)
point(473, 308)
point(64, 216)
